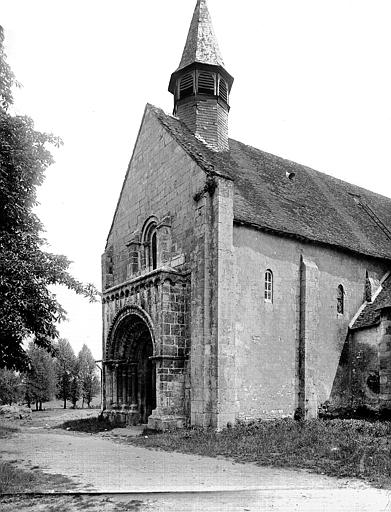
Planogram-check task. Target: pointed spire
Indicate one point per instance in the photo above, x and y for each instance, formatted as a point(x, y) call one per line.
point(201, 44)
point(201, 85)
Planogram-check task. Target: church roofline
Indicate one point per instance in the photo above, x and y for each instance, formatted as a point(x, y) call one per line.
point(224, 165)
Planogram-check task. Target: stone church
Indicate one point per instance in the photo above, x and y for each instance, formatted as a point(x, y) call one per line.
point(237, 284)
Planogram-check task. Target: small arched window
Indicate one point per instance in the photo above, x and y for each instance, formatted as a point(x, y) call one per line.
point(223, 90)
point(268, 286)
point(150, 247)
point(186, 86)
point(206, 83)
point(340, 299)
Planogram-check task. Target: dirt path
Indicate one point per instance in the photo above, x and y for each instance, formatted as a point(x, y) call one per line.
point(104, 465)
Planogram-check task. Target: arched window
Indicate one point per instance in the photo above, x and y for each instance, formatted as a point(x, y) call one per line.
point(186, 86)
point(150, 246)
point(268, 286)
point(223, 90)
point(206, 83)
point(340, 299)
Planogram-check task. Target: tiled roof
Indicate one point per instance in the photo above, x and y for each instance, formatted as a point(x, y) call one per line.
point(313, 206)
point(370, 315)
point(201, 44)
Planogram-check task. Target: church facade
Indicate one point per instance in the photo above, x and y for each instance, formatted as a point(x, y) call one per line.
point(237, 284)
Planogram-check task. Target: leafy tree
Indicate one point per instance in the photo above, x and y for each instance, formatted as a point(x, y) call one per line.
point(90, 385)
point(11, 387)
point(65, 368)
point(41, 378)
point(27, 307)
point(75, 390)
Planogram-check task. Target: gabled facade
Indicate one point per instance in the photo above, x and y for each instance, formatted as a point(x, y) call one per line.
point(231, 277)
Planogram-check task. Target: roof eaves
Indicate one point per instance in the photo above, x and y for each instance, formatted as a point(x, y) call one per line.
point(306, 239)
point(368, 325)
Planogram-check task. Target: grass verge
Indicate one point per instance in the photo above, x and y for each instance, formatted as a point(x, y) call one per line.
point(340, 448)
point(71, 503)
point(16, 480)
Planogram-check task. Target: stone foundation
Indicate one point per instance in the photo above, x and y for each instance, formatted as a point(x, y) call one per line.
point(165, 422)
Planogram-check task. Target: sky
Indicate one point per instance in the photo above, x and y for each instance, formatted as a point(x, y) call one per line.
point(312, 84)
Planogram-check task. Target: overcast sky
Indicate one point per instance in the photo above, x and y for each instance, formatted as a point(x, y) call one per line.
point(312, 84)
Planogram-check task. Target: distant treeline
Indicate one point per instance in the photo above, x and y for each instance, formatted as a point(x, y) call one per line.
point(61, 374)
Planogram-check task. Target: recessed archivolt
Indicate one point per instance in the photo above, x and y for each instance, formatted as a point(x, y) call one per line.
point(115, 336)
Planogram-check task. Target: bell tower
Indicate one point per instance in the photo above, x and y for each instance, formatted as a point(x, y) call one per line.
point(201, 85)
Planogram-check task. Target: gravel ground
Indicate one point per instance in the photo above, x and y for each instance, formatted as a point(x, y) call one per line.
point(132, 478)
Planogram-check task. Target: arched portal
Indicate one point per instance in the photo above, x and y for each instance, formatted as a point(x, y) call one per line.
point(131, 370)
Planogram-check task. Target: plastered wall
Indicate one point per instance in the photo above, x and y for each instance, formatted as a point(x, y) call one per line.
point(267, 335)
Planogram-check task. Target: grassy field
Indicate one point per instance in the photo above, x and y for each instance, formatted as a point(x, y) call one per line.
point(341, 448)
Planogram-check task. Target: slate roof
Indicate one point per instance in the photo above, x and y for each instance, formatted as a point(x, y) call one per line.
point(370, 315)
point(313, 206)
point(201, 44)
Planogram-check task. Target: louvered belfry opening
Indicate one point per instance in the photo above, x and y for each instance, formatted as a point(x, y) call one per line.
point(206, 83)
point(223, 90)
point(186, 85)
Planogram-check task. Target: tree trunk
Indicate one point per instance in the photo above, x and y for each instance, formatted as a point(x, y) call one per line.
point(65, 403)
point(36, 405)
point(40, 405)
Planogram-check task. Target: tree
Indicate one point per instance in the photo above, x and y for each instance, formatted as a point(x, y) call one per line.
point(27, 307)
point(11, 387)
point(88, 375)
point(65, 369)
point(41, 378)
point(75, 390)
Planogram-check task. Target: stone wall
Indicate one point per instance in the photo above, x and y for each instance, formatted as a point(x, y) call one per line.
point(212, 334)
point(160, 182)
point(364, 374)
point(193, 215)
point(159, 187)
point(269, 336)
